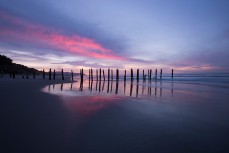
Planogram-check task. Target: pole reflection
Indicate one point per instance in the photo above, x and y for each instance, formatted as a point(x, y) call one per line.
point(127, 89)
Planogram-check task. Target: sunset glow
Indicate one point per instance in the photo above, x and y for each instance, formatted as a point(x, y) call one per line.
point(39, 34)
point(144, 35)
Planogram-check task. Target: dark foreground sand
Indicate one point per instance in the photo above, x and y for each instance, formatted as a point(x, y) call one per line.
point(34, 121)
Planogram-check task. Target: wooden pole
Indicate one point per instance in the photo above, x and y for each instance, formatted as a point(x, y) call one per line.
point(143, 75)
point(81, 80)
point(43, 74)
point(108, 84)
point(62, 72)
point(137, 75)
point(150, 74)
point(108, 75)
point(161, 74)
point(111, 75)
point(103, 76)
point(131, 73)
point(125, 76)
point(91, 74)
point(97, 75)
point(82, 75)
point(172, 73)
point(72, 75)
point(54, 74)
point(117, 75)
point(100, 71)
point(156, 74)
point(49, 74)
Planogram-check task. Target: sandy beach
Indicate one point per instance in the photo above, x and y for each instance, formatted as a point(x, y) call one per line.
point(31, 120)
point(37, 118)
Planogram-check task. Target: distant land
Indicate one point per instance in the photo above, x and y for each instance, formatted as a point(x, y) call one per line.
point(7, 66)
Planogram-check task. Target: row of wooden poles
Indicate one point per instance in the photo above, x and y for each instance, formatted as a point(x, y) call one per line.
point(54, 74)
point(13, 75)
point(99, 74)
point(110, 74)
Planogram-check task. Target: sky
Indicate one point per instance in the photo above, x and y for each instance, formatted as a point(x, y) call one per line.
point(184, 35)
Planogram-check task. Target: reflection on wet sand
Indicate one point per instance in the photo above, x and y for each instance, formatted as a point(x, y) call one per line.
point(129, 88)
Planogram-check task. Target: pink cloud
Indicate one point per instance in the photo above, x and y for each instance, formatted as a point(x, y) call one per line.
point(35, 33)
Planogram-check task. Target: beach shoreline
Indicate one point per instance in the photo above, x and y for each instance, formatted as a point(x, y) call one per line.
point(37, 121)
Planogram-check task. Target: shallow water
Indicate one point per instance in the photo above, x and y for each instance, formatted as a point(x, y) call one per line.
point(152, 116)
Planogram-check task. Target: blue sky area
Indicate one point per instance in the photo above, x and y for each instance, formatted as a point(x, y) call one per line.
point(187, 35)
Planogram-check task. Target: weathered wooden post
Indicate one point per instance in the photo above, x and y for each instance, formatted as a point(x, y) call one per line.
point(111, 75)
point(62, 72)
point(143, 75)
point(131, 75)
point(103, 75)
point(150, 74)
point(137, 75)
point(82, 75)
point(100, 71)
point(156, 74)
point(50, 74)
point(172, 73)
point(108, 75)
point(27, 77)
point(91, 74)
point(72, 75)
point(81, 80)
point(108, 84)
point(97, 75)
point(125, 76)
point(161, 74)
point(54, 74)
point(117, 75)
point(43, 74)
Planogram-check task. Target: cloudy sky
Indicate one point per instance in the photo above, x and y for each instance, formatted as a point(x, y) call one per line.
point(187, 35)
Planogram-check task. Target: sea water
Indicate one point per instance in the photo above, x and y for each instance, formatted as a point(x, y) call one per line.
point(188, 113)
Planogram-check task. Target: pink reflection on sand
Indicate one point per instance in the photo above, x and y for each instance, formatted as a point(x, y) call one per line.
point(88, 105)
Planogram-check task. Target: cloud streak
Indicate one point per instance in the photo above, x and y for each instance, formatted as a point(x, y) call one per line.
point(46, 36)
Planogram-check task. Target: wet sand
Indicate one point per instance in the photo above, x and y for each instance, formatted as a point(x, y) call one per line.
point(187, 121)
